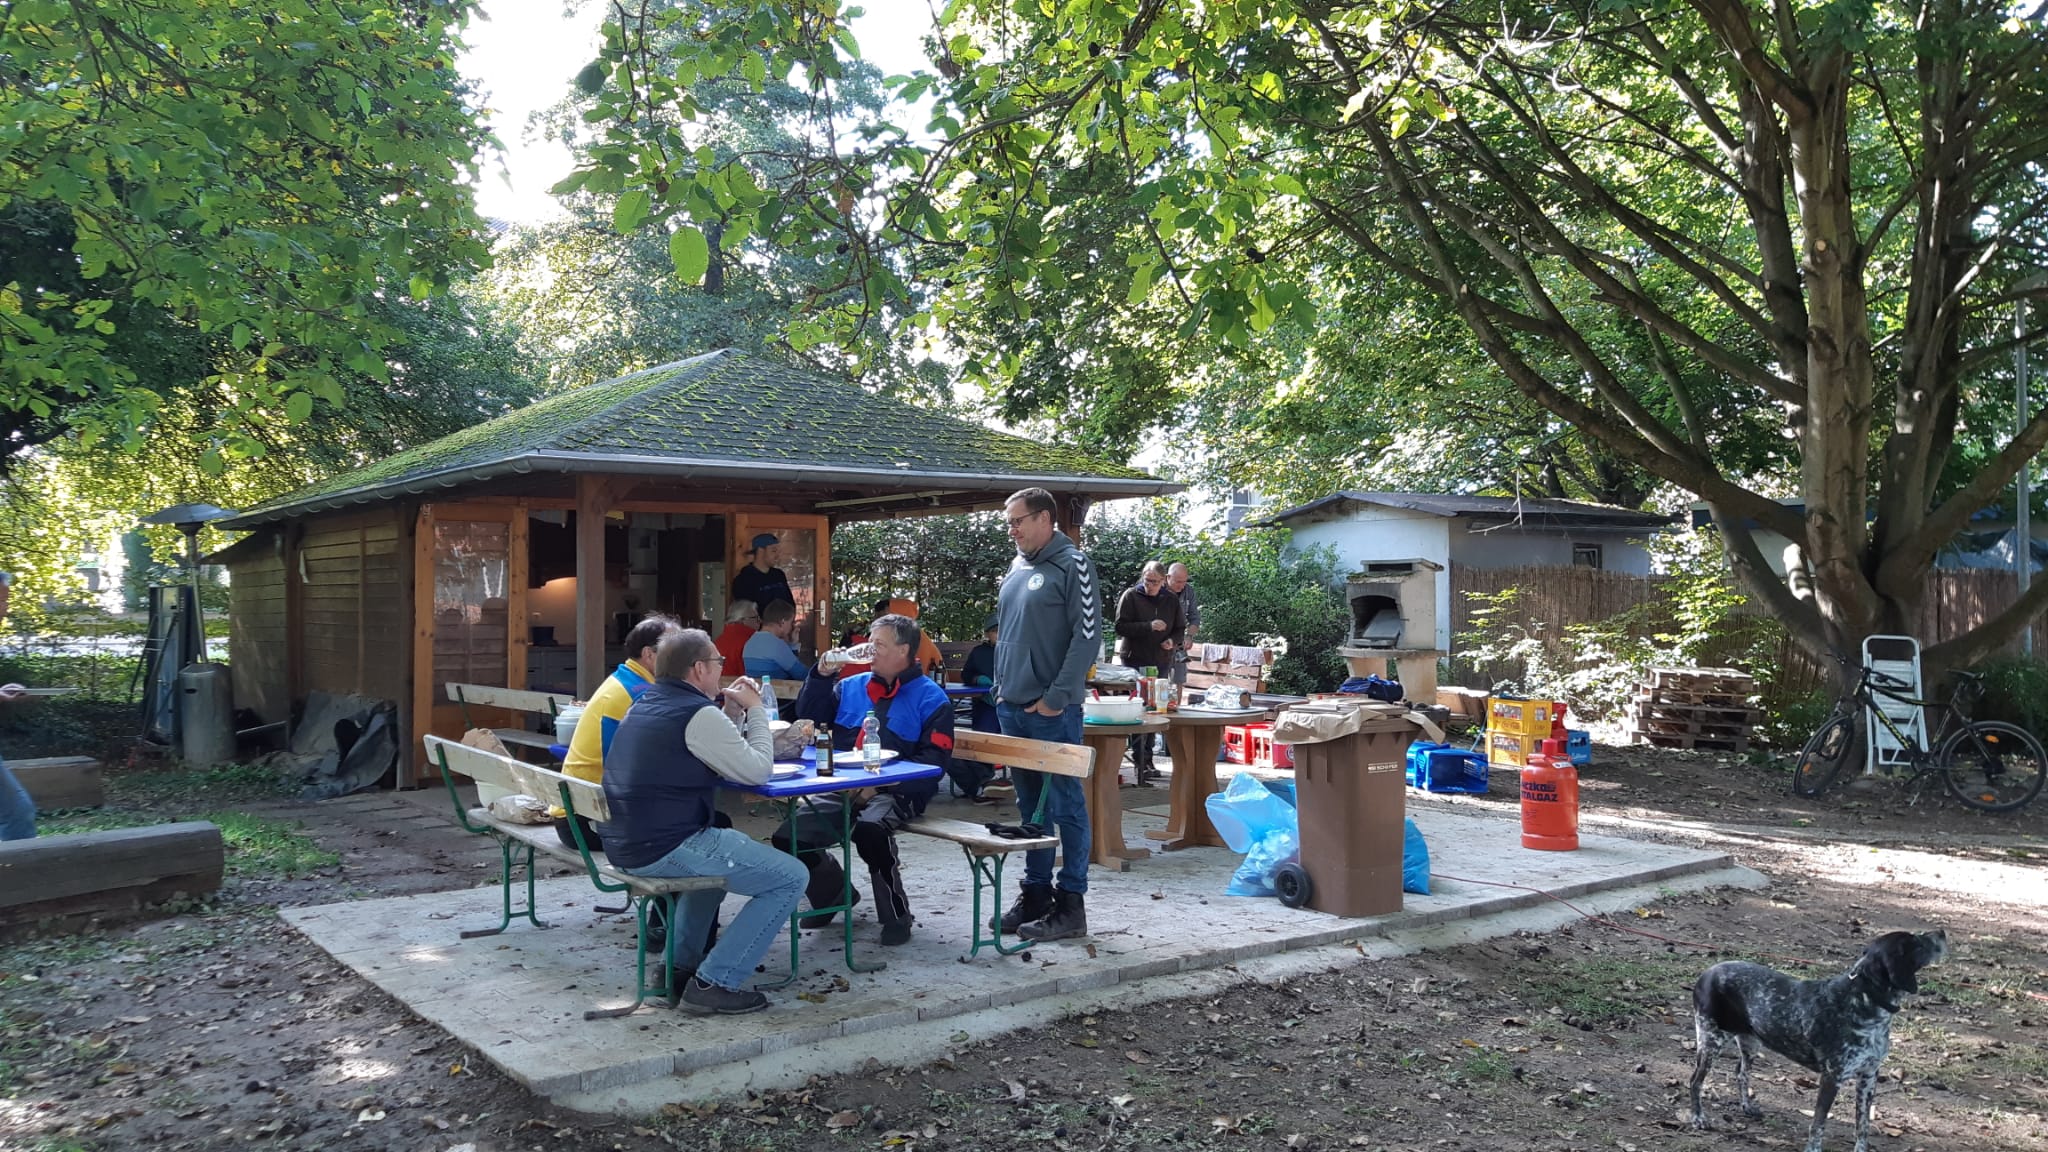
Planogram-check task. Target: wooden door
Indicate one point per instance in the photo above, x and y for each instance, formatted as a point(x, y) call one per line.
point(806, 559)
point(470, 627)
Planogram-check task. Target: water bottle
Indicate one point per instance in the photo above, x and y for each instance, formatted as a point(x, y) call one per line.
point(871, 743)
point(768, 700)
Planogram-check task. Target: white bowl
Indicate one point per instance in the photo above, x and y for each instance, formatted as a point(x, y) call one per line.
point(1117, 710)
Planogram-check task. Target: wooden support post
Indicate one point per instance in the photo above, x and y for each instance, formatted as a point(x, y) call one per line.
point(593, 497)
point(516, 573)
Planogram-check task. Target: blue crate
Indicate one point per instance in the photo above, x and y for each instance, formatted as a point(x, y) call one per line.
point(1579, 747)
point(1443, 768)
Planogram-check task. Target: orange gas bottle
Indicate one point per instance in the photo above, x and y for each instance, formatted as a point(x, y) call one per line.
point(1550, 800)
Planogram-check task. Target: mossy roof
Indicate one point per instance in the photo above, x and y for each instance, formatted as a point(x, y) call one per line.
point(738, 414)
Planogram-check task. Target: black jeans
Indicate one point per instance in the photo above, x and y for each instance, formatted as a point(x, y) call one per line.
point(816, 840)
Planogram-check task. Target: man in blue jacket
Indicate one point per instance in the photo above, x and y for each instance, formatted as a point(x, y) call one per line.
point(916, 717)
point(1048, 631)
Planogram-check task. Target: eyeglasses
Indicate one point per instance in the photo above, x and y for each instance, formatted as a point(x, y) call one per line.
point(1013, 521)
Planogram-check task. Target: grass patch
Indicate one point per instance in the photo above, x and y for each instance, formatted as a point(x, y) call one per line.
point(1484, 1066)
point(1606, 991)
point(195, 789)
point(256, 845)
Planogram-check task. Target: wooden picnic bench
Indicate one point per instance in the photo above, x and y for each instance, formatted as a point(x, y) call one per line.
point(548, 704)
point(579, 798)
point(986, 852)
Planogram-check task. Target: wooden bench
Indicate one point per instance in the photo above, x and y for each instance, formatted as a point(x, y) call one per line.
point(578, 798)
point(1211, 673)
point(547, 704)
point(986, 852)
point(68, 881)
point(55, 782)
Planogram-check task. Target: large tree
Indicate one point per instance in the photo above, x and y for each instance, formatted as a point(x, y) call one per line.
point(220, 197)
point(1657, 221)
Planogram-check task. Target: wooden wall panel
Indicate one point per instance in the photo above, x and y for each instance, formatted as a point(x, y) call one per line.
point(257, 634)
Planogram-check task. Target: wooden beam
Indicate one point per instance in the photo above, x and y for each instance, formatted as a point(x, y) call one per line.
point(70, 880)
point(55, 782)
point(362, 613)
point(516, 573)
point(294, 536)
point(409, 763)
point(593, 498)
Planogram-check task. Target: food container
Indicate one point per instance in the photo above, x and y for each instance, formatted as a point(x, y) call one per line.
point(1117, 710)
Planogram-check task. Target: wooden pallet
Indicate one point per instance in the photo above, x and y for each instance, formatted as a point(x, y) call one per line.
point(1718, 698)
point(1741, 714)
point(1666, 727)
point(1694, 742)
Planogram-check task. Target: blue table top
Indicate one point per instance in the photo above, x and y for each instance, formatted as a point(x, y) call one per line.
point(845, 779)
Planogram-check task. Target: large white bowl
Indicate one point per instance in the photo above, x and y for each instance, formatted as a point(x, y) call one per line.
point(1117, 710)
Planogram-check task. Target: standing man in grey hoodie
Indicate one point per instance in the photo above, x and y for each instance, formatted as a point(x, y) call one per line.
point(1049, 630)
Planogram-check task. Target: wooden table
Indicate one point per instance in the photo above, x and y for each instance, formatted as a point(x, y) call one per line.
point(1105, 800)
point(1193, 739)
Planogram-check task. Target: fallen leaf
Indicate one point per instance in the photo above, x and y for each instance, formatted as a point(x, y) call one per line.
point(369, 1115)
point(847, 1119)
point(1122, 1101)
point(1225, 1123)
point(1137, 1057)
point(1091, 951)
point(1016, 1088)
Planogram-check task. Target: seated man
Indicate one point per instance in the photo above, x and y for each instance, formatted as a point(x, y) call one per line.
point(742, 620)
point(661, 777)
point(769, 652)
point(917, 725)
point(979, 671)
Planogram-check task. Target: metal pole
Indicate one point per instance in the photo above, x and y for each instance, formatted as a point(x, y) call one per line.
point(2023, 527)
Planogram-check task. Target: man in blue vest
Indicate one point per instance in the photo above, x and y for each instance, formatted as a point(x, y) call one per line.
point(661, 776)
point(916, 718)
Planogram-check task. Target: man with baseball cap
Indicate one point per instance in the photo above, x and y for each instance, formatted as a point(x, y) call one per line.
point(761, 581)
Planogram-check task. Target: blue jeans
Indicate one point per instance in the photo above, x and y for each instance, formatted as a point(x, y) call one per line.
point(772, 881)
point(17, 811)
point(1066, 799)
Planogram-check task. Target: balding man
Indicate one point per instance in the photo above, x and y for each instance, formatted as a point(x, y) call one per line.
point(1190, 618)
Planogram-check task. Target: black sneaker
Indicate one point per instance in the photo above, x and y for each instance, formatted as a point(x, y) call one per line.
point(711, 1000)
point(1034, 902)
point(1069, 919)
point(896, 932)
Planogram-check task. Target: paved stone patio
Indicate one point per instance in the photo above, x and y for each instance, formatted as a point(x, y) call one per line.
point(518, 998)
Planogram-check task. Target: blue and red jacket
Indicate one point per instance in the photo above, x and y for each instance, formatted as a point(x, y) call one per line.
point(916, 717)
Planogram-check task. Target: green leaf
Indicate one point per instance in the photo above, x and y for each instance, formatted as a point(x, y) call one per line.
point(629, 211)
point(239, 338)
point(298, 407)
point(689, 253)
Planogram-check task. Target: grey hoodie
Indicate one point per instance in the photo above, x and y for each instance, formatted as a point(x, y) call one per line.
point(1050, 618)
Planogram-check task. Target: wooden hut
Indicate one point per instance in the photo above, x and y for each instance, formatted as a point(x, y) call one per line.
point(514, 553)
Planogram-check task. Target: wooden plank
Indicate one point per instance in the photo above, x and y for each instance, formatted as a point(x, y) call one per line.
point(422, 641)
point(517, 699)
point(65, 879)
point(524, 738)
point(362, 625)
point(1018, 752)
point(55, 782)
point(976, 838)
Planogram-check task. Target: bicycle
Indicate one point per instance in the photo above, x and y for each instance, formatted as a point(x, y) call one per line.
point(1989, 765)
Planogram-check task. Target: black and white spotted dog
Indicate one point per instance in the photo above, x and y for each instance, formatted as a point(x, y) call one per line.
point(1840, 1028)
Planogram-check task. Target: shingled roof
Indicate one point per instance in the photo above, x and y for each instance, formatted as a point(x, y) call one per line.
point(1529, 511)
point(731, 416)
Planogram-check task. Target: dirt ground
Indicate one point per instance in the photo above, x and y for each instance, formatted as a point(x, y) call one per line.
point(220, 1027)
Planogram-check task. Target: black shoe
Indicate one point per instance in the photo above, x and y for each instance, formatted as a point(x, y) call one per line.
point(896, 932)
point(1069, 919)
point(711, 1000)
point(1033, 902)
point(823, 919)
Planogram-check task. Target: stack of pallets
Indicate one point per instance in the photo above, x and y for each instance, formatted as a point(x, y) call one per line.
point(1694, 708)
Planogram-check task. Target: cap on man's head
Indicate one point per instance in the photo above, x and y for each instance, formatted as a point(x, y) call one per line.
point(765, 540)
point(989, 625)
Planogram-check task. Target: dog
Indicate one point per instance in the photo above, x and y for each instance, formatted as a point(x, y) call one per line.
point(1840, 1028)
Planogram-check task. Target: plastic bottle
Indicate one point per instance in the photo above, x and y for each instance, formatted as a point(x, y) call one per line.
point(871, 742)
point(1550, 800)
point(768, 700)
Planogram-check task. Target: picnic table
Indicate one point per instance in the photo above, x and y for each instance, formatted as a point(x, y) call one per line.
point(1105, 804)
point(800, 783)
point(1193, 737)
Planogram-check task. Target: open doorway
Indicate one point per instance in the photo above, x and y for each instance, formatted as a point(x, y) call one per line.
point(669, 562)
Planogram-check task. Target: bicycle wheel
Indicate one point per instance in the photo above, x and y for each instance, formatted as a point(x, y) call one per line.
point(1993, 766)
point(1821, 760)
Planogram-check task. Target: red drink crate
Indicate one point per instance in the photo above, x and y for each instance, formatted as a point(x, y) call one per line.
point(1237, 742)
point(1265, 753)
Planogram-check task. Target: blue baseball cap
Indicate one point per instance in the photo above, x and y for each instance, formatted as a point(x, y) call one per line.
point(765, 540)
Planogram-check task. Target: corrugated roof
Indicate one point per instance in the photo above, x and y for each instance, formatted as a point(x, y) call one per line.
point(1501, 509)
point(731, 415)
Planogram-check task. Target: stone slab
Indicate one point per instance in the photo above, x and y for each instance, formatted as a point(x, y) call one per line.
point(518, 998)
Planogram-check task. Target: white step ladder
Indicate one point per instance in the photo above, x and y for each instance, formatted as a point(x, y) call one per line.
point(1898, 658)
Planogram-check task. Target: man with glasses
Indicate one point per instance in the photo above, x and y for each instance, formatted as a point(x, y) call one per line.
point(1048, 631)
point(661, 777)
point(917, 724)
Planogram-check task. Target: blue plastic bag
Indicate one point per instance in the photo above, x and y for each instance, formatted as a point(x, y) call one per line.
point(1254, 819)
point(1414, 860)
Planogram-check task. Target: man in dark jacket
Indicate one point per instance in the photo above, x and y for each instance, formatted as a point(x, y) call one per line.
point(916, 718)
point(1148, 621)
point(1049, 613)
point(661, 777)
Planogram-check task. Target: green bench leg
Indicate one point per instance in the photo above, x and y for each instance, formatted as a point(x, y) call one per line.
point(988, 874)
point(667, 989)
point(505, 879)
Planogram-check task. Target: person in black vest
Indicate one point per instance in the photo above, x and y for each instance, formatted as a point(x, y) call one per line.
point(661, 776)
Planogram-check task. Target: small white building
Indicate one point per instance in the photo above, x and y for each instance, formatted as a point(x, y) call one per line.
point(1474, 532)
